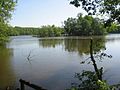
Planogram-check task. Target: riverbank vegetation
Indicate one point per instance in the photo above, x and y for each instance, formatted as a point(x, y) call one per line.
point(6, 9)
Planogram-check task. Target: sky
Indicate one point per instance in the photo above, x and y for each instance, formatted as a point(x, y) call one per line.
point(36, 13)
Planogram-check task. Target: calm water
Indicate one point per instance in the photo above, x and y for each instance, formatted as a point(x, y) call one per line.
point(53, 62)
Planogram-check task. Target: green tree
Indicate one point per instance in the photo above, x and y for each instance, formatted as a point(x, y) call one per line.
point(50, 31)
point(6, 8)
point(113, 28)
point(25, 31)
point(70, 26)
point(97, 27)
point(84, 26)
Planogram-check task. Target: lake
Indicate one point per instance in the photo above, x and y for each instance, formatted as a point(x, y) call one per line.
point(52, 62)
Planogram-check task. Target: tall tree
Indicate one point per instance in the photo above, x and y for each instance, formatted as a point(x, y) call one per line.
point(6, 8)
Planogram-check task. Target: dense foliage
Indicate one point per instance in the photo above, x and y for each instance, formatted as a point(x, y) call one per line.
point(86, 25)
point(44, 31)
point(6, 8)
point(109, 8)
point(24, 31)
point(50, 31)
point(116, 30)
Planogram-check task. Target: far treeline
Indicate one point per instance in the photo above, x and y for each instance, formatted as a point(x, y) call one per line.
point(80, 26)
point(44, 31)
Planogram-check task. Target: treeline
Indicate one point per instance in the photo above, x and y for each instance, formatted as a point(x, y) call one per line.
point(15, 31)
point(50, 31)
point(80, 26)
point(44, 31)
point(116, 30)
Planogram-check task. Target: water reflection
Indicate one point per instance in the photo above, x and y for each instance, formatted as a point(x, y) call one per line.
point(6, 72)
point(46, 43)
point(75, 45)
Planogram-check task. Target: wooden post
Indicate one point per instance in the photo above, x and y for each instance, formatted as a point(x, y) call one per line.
point(22, 87)
point(23, 83)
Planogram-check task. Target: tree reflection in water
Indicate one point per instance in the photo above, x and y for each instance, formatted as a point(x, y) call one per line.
point(7, 76)
point(82, 45)
point(74, 44)
point(47, 43)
